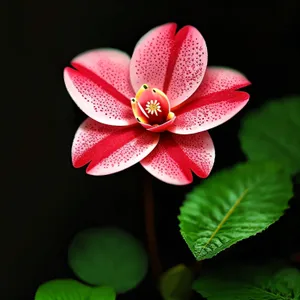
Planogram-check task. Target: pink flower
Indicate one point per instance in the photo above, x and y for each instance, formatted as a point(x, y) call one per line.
point(155, 108)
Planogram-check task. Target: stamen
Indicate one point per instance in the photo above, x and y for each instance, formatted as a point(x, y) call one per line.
point(151, 106)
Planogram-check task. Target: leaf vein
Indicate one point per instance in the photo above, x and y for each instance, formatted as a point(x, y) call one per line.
point(229, 213)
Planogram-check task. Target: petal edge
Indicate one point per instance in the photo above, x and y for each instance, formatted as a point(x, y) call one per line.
point(176, 155)
point(110, 149)
point(208, 112)
point(111, 65)
point(187, 65)
point(96, 101)
point(218, 79)
point(150, 57)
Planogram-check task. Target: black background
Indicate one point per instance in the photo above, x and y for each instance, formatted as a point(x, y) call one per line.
point(48, 201)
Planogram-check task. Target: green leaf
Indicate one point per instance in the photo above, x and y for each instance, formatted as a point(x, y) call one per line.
point(65, 289)
point(273, 133)
point(68, 289)
point(102, 293)
point(176, 283)
point(248, 283)
point(108, 256)
point(233, 205)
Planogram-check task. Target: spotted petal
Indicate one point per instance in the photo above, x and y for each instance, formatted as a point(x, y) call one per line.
point(110, 149)
point(187, 65)
point(100, 86)
point(151, 55)
point(177, 155)
point(208, 112)
point(173, 63)
point(111, 65)
point(219, 79)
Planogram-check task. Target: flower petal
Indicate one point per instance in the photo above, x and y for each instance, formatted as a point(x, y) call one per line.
point(110, 149)
point(162, 127)
point(159, 128)
point(176, 155)
point(219, 79)
point(208, 112)
point(187, 65)
point(111, 65)
point(151, 55)
point(100, 86)
point(172, 63)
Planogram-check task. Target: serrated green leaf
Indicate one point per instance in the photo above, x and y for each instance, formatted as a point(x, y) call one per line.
point(273, 133)
point(233, 205)
point(68, 289)
point(109, 257)
point(176, 283)
point(250, 283)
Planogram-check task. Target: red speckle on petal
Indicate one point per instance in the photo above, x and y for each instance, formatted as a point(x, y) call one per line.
point(110, 65)
point(160, 165)
point(173, 63)
point(100, 101)
point(110, 149)
point(150, 59)
point(207, 112)
point(187, 65)
point(218, 79)
point(199, 151)
point(176, 155)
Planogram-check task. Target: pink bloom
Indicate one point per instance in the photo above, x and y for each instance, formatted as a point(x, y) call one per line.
point(155, 108)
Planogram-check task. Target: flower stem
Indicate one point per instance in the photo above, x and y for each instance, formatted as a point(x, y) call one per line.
point(196, 267)
point(150, 226)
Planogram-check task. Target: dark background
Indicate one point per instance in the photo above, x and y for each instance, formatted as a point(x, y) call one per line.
point(48, 201)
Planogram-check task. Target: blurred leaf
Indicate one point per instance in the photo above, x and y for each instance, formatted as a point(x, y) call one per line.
point(233, 205)
point(108, 256)
point(62, 289)
point(176, 283)
point(273, 133)
point(102, 293)
point(68, 289)
point(247, 283)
